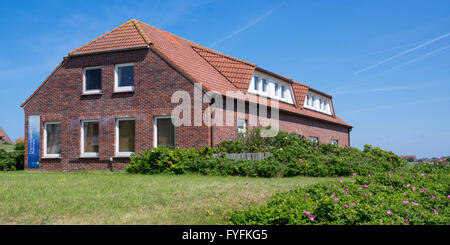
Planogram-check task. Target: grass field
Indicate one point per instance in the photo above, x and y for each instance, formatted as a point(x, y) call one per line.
point(97, 197)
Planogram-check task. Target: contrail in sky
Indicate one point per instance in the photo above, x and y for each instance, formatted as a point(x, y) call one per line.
point(402, 53)
point(252, 23)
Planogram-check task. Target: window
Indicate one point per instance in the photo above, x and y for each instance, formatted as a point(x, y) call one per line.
point(313, 139)
point(334, 142)
point(282, 91)
point(263, 85)
point(242, 127)
point(89, 138)
point(125, 136)
point(52, 139)
point(164, 131)
point(276, 89)
point(124, 77)
point(256, 82)
point(92, 80)
point(318, 103)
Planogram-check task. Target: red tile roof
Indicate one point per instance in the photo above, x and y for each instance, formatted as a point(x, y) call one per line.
point(215, 71)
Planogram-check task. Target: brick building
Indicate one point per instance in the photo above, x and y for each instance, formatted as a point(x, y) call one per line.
point(4, 137)
point(112, 96)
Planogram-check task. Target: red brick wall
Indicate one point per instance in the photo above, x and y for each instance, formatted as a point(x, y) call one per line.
point(61, 100)
point(304, 126)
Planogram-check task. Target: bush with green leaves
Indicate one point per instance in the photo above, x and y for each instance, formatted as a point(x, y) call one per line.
point(11, 161)
point(292, 156)
point(419, 196)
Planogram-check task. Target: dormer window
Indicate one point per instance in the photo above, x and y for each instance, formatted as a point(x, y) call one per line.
point(268, 86)
point(318, 103)
point(256, 82)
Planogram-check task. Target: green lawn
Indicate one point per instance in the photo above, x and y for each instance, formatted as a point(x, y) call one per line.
point(98, 197)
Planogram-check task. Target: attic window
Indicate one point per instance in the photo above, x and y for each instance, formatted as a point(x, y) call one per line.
point(318, 103)
point(92, 80)
point(256, 82)
point(124, 77)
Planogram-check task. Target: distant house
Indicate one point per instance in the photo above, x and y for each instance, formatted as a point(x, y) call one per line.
point(409, 158)
point(4, 137)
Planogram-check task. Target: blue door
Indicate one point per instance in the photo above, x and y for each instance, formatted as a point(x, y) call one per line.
point(33, 141)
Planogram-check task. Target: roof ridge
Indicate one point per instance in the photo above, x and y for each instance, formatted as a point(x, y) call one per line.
point(199, 45)
point(221, 54)
point(98, 38)
point(136, 24)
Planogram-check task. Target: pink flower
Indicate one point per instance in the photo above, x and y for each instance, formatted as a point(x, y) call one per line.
point(365, 194)
point(392, 187)
point(332, 195)
point(432, 196)
point(390, 175)
point(304, 197)
point(406, 220)
point(423, 191)
point(415, 203)
point(345, 205)
point(405, 202)
point(365, 186)
point(407, 185)
point(436, 211)
point(301, 161)
point(345, 189)
point(340, 181)
point(311, 217)
point(307, 213)
point(414, 188)
point(448, 196)
point(369, 175)
point(389, 212)
point(349, 169)
point(354, 174)
point(336, 199)
point(353, 203)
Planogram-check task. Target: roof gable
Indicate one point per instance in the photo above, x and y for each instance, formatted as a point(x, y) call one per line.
point(124, 36)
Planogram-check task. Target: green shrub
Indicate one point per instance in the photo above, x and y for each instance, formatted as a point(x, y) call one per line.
point(415, 196)
point(11, 161)
point(292, 156)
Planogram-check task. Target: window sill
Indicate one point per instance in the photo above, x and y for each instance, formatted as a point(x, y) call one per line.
point(122, 156)
point(123, 92)
point(88, 94)
point(51, 157)
point(88, 156)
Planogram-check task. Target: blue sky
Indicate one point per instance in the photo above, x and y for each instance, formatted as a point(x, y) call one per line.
point(386, 63)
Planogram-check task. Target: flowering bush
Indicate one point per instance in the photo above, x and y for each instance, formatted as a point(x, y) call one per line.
point(419, 195)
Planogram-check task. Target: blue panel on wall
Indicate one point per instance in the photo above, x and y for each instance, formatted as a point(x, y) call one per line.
point(33, 141)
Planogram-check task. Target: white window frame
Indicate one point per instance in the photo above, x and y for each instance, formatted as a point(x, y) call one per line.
point(92, 91)
point(116, 79)
point(155, 130)
point(45, 141)
point(310, 138)
point(335, 140)
point(318, 103)
point(118, 153)
point(88, 154)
